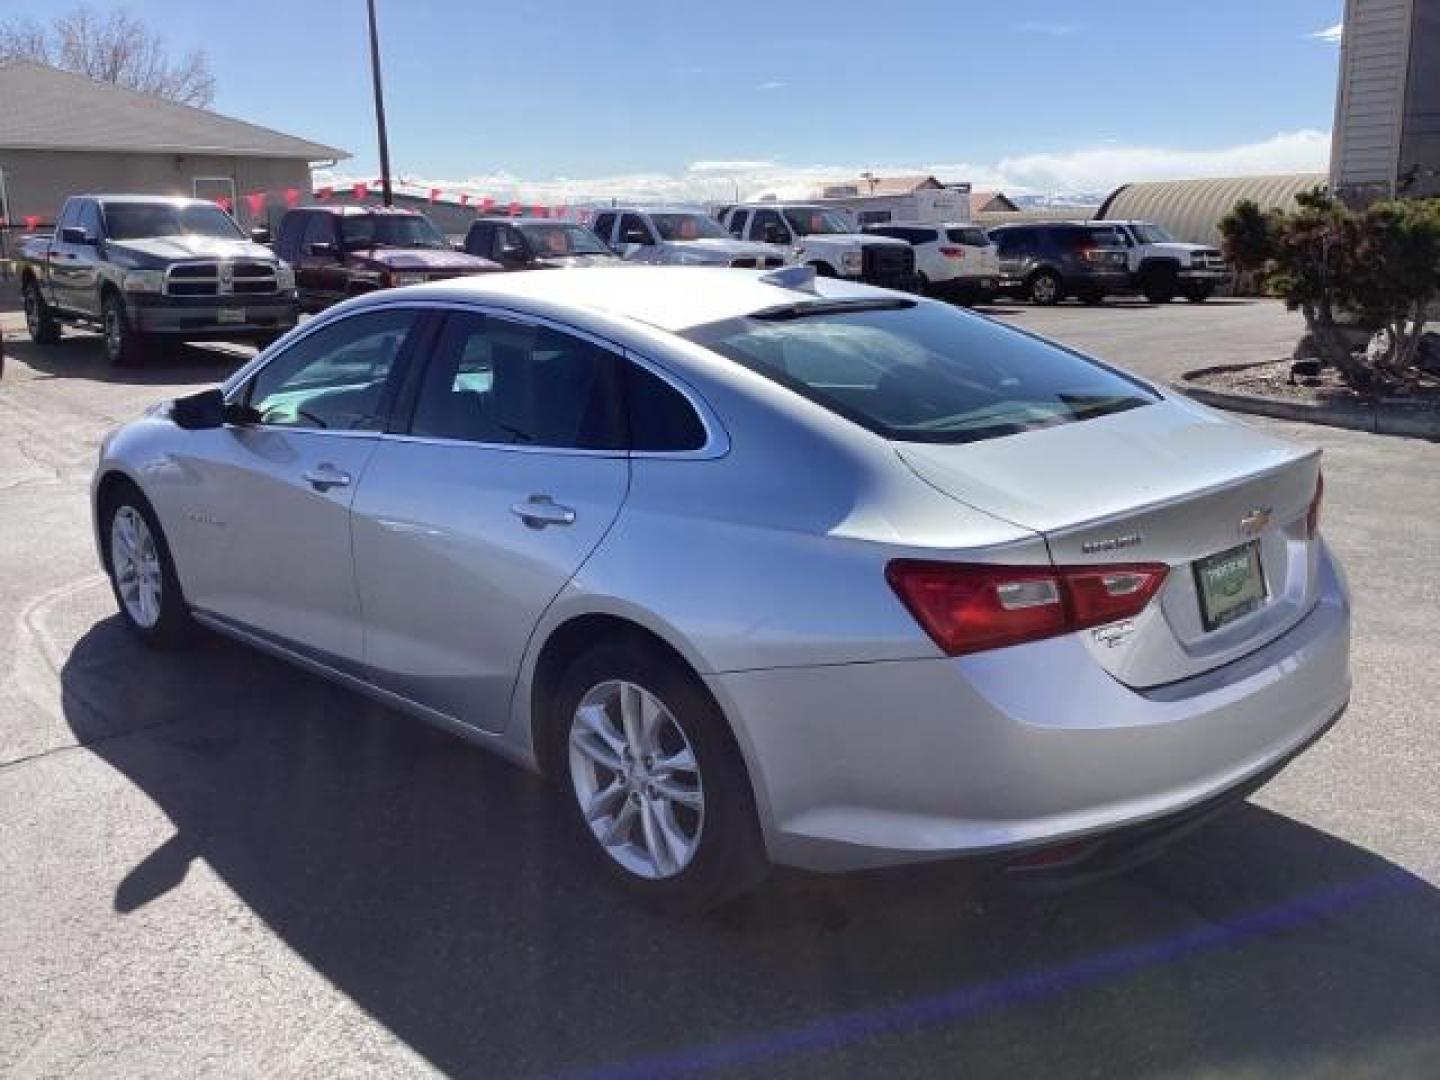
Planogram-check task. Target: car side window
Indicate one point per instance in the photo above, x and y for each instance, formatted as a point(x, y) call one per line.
point(495, 381)
point(340, 378)
point(661, 419)
point(318, 230)
point(633, 230)
point(480, 240)
point(602, 225)
point(90, 219)
point(737, 223)
point(69, 216)
point(763, 223)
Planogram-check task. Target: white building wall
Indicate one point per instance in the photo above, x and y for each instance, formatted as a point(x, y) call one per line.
point(1374, 55)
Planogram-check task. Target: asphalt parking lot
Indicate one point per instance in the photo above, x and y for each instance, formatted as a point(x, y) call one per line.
point(211, 864)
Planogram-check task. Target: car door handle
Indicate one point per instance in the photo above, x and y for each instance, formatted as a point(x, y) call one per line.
point(326, 476)
point(541, 510)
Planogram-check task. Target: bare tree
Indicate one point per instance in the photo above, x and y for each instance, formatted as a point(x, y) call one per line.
point(114, 47)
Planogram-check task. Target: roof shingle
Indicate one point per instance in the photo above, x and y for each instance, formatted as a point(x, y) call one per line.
point(50, 109)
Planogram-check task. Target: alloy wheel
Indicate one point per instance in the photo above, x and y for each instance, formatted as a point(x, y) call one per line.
point(1045, 289)
point(637, 779)
point(135, 562)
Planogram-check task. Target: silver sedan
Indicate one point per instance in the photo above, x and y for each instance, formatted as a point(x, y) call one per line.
point(757, 567)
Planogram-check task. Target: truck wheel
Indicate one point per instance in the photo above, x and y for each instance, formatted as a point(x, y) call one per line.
point(1198, 294)
point(39, 319)
point(122, 345)
point(1045, 288)
point(1158, 284)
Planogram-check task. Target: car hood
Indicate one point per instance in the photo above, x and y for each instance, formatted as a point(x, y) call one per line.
point(848, 240)
point(722, 249)
point(168, 249)
point(424, 259)
point(1053, 478)
point(569, 261)
point(1177, 248)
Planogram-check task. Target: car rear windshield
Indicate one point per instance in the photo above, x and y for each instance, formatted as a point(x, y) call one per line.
point(1071, 239)
point(140, 221)
point(968, 237)
point(815, 221)
point(689, 227)
point(558, 238)
point(922, 372)
point(389, 230)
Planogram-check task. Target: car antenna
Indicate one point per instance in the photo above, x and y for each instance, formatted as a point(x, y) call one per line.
point(796, 278)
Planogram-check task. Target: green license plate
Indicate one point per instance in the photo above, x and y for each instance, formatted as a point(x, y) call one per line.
point(1230, 584)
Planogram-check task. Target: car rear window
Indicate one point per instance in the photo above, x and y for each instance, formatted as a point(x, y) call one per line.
point(1070, 239)
point(922, 372)
point(969, 237)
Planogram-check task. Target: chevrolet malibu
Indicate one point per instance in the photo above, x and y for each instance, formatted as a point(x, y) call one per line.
point(757, 567)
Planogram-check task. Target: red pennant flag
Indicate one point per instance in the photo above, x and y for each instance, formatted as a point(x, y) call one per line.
point(224, 203)
point(360, 190)
point(540, 211)
point(435, 194)
point(486, 205)
point(292, 196)
point(561, 211)
point(255, 203)
point(513, 209)
point(32, 222)
point(324, 192)
point(464, 199)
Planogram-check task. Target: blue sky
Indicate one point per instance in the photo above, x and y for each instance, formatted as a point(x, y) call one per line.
point(1036, 94)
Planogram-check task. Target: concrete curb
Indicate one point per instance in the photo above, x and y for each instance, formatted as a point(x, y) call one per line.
point(1387, 416)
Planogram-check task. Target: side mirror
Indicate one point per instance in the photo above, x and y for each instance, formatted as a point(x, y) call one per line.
point(198, 412)
point(511, 253)
point(323, 250)
point(73, 234)
point(774, 234)
point(260, 235)
point(634, 236)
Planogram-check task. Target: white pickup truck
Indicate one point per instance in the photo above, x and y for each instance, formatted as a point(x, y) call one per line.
point(1162, 267)
point(826, 239)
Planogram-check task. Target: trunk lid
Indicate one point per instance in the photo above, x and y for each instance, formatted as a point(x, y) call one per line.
point(1166, 483)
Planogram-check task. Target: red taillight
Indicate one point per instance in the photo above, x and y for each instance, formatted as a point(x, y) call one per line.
point(970, 607)
point(953, 252)
point(1312, 516)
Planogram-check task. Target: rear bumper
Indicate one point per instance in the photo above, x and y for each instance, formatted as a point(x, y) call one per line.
point(202, 317)
point(866, 765)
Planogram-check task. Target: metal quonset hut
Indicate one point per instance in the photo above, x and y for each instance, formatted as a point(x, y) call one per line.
point(1192, 209)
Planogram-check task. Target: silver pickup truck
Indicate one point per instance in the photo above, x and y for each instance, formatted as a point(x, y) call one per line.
point(138, 267)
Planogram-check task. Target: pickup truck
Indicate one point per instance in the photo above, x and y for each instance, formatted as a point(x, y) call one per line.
point(142, 267)
point(675, 236)
point(343, 251)
point(1162, 267)
point(825, 239)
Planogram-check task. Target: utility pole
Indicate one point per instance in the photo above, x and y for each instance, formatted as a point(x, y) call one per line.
point(386, 196)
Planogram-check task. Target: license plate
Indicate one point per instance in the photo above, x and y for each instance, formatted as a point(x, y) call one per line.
point(1230, 584)
point(230, 315)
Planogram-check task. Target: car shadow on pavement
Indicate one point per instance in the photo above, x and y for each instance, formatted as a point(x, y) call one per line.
point(442, 891)
point(82, 356)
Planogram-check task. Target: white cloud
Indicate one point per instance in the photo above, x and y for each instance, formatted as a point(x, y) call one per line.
point(1095, 169)
point(1331, 34)
point(1049, 29)
point(773, 84)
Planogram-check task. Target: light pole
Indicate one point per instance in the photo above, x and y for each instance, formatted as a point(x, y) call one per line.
point(385, 193)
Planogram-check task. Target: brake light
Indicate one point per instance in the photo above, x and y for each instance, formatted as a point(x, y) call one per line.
point(970, 607)
point(953, 252)
point(1312, 516)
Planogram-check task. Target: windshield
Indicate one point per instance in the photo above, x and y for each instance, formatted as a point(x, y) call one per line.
point(390, 230)
point(559, 238)
point(688, 227)
point(1152, 234)
point(812, 220)
point(923, 373)
point(141, 221)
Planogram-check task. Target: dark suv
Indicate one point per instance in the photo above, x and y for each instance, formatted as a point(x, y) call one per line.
point(537, 243)
point(1049, 261)
point(342, 251)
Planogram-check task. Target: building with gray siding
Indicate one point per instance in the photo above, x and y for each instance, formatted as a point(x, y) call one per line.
point(63, 134)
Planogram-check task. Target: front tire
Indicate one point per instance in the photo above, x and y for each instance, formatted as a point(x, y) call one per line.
point(1198, 294)
point(122, 344)
point(142, 571)
point(40, 321)
point(1046, 289)
point(1159, 284)
point(654, 780)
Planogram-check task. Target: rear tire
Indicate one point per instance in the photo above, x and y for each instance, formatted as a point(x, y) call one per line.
point(122, 344)
point(39, 319)
point(142, 571)
point(678, 839)
point(1198, 294)
point(1045, 288)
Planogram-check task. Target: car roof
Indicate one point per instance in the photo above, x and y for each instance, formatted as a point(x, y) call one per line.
point(355, 211)
point(671, 298)
point(152, 200)
point(650, 210)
